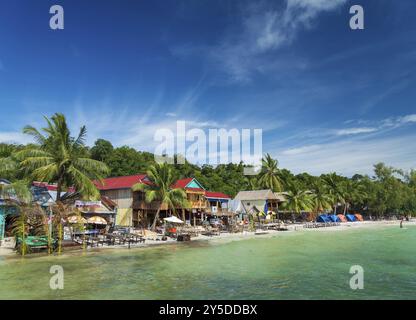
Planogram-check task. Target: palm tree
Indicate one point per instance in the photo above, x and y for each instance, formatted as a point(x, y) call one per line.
point(252, 183)
point(8, 165)
point(30, 220)
point(58, 157)
point(159, 189)
point(61, 212)
point(334, 184)
point(269, 174)
point(353, 192)
point(321, 198)
point(297, 199)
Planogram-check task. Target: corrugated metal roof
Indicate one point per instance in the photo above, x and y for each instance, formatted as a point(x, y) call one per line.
point(256, 195)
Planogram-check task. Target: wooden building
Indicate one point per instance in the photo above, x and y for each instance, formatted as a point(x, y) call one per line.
point(119, 190)
point(134, 211)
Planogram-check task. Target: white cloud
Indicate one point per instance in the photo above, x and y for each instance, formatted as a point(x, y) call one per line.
point(408, 119)
point(171, 114)
point(301, 150)
point(352, 131)
point(14, 137)
point(351, 156)
point(264, 29)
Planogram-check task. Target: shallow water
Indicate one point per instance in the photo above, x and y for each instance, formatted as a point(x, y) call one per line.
point(291, 265)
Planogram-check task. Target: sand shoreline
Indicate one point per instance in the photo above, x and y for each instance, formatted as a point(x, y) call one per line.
point(234, 236)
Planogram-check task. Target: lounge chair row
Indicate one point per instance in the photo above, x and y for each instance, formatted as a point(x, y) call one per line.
point(321, 224)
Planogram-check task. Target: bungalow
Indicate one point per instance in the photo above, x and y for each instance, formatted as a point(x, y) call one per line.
point(3, 207)
point(43, 192)
point(134, 211)
point(246, 202)
point(105, 208)
point(195, 194)
point(217, 203)
point(8, 209)
point(119, 190)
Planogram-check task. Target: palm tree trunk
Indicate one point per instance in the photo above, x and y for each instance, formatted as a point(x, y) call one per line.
point(23, 238)
point(156, 218)
point(58, 191)
point(60, 239)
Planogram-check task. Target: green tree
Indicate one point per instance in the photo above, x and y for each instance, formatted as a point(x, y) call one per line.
point(269, 174)
point(352, 192)
point(126, 161)
point(321, 197)
point(334, 184)
point(102, 150)
point(58, 157)
point(298, 200)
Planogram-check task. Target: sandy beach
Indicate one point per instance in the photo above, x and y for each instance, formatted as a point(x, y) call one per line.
point(244, 235)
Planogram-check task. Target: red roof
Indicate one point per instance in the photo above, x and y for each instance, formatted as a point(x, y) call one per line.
point(51, 187)
point(181, 183)
point(213, 194)
point(125, 182)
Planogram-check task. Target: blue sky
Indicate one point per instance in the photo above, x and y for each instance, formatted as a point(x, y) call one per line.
point(327, 98)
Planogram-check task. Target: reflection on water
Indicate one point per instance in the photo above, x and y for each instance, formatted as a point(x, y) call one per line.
point(300, 265)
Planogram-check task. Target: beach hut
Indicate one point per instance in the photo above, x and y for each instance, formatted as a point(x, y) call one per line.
point(351, 217)
point(323, 218)
point(342, 218)
point(359, 217)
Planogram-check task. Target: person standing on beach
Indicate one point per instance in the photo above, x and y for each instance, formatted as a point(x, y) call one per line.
point(401, 223)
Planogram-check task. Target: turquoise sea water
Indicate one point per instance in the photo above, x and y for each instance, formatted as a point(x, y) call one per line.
point(290, 265)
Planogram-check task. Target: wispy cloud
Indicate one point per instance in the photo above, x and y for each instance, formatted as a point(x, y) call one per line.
point(301, 150)
point(265, 28)
point(408, 119)
point(352, 150)
point(350, 156)
point(351, 131)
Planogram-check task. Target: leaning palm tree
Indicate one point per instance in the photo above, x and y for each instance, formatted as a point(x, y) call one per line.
point(159, 189)
point(269, 175)
point(297, 200)
point(58, 157)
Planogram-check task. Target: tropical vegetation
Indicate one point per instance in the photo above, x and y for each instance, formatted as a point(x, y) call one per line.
point(57, 157)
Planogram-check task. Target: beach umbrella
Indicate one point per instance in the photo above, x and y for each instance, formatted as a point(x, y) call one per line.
point(77, 219)
point(173, 219)
point(97, 220)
